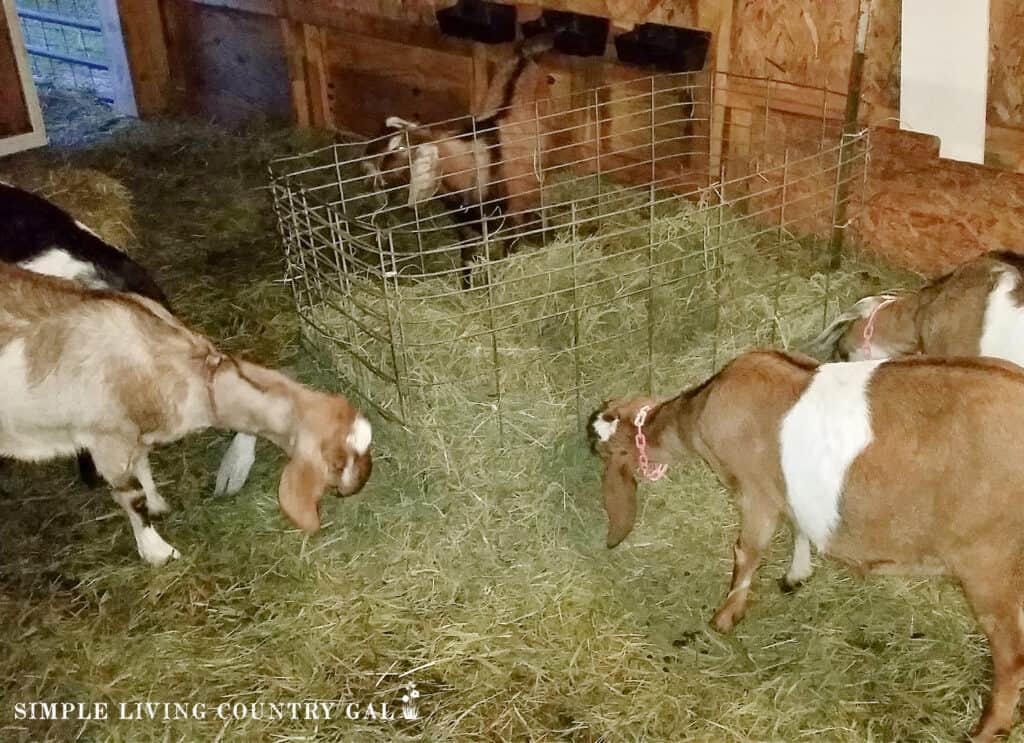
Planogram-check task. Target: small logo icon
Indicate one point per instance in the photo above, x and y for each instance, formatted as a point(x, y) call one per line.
point(410, 703)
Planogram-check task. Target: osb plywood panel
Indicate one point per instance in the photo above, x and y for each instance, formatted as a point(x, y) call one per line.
point(239, 65)
point(802, 41)
point(1006, 64)
point(930, 215)
point(881, 85)
point(1006, 61)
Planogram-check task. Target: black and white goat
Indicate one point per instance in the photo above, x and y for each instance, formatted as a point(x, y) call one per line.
point(488, 171)
point(117, 374)
point(39, 236)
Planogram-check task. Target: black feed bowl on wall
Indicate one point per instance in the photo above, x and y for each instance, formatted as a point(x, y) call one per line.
point(664, 47)
point(575, 34)
point(490, 23)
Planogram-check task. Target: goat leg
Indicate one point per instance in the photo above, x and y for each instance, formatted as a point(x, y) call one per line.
point(800, 568)
point(114, 463)
point(87, 469)
point(758, 518)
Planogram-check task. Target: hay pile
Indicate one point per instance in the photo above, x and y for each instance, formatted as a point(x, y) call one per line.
point(477, 572)
point(575, 315)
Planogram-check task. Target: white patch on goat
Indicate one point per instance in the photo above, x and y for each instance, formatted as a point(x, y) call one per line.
point(800, 567)
point(348, 475)
point(424, 174)
point(1002, 330)
point(235, 466)
point(59, 263)
point(153, 548)
point(820, 437)
point(605, 428)
point(360, 436)
point(33, 420)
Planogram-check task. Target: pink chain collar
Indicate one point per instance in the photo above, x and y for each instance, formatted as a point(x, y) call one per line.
point(652, 472)
point(869, 327)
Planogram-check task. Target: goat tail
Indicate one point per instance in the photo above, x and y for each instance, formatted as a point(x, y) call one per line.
point(534, 46)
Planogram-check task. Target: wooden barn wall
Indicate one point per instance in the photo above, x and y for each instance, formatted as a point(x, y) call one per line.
point(348, 63)
point(921, 212)
point(240, 65)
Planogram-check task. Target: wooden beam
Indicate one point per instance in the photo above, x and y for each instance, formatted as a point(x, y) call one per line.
point(295, 55)
point(21, 121)
point(318, 85)
point(721, 49)
point(146, 54)
point(117, 58)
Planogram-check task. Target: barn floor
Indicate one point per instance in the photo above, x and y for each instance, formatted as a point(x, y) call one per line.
point(489, 588)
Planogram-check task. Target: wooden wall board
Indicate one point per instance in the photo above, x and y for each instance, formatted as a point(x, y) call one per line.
point(930, 215)
point(21, 121)
point(374, 79)
point(240, 66)
point(146, 54)
point(1006, 64)
point(14, 114)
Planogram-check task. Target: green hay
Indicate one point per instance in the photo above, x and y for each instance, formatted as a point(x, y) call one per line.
point(479, 573)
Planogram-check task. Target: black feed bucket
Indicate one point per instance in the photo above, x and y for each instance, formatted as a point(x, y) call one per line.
point(575, 34)
point(665, 47)
point(486, 22)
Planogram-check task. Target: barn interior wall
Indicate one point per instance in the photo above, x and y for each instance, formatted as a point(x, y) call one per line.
point(347, 63)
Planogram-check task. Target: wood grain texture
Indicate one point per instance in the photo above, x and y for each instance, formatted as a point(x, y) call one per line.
point(14, 114)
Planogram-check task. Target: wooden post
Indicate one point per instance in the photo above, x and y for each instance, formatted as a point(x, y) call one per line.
point(295, 53)
point(133, 31)
point(719, 88)
point(842, 198)
point(117, 58)
point(321, 105)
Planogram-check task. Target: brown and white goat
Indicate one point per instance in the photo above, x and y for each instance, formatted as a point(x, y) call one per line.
point(487, 172)
point(976, 310)
point(897, 467)
point(117, 374)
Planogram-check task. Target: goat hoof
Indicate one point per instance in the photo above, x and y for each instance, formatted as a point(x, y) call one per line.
point(153, 549)
point(983, 733)
point(157, 508)
point(787, 587)
point(724, 621)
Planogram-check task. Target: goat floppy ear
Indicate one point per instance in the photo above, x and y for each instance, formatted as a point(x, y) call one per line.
point(302, 484)
point(424, 172)
point(619, 488)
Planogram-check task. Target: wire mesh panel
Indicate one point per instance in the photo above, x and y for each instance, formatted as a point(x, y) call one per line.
point(559, 253)
point(65, 44)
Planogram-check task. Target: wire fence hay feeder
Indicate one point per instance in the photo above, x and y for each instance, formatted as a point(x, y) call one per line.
point(625, 237)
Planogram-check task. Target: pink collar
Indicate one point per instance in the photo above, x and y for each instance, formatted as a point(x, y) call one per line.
point(652, 472)
point(869, 326)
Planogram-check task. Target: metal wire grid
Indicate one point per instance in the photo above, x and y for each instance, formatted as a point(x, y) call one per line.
point(641, 191)
point(66, 46)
